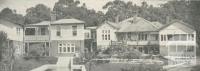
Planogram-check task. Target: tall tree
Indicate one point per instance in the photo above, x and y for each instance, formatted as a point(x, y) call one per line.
point(70, 9)
point(37, 14)
point(11, 15)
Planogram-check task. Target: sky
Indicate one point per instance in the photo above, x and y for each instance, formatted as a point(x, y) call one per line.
point(21, 5)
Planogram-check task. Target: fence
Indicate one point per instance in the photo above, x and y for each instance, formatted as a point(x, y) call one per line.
point(132, 61)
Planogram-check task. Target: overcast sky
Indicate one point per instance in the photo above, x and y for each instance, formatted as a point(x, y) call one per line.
point(22, 5)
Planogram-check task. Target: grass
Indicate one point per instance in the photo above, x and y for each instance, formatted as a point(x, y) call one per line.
point(29, 64)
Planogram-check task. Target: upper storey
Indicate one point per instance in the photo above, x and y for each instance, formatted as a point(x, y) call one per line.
point(13, 31)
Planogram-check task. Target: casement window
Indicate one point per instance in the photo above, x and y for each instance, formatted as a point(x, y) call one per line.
point(105, 34)
point(58, 31)
point(66, 48)
point(74, 30)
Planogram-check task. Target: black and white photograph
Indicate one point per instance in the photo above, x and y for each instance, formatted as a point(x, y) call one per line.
point(99, 35)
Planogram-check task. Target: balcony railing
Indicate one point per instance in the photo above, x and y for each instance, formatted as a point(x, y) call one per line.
point(142, 42)
point(36, 38)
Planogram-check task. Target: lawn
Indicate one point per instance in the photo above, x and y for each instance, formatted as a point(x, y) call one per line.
point(24, 64)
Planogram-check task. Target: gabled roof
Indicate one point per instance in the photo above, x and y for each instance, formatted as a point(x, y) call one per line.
point(157, 24)
point(180, 24)
point(41, 23)
point(114, 25)
point(137, 24)
point(9, 24)
point(68, 21)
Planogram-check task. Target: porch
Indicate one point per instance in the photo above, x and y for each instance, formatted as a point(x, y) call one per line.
point(37, 33)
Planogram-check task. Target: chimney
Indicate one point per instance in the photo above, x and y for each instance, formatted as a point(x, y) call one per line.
point(117, 19)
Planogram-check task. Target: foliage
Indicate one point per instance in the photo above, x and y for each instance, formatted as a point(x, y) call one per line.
point(11, 15)
point(37, 14)
point(3, 43)
point(196, 68)
point(70, 9)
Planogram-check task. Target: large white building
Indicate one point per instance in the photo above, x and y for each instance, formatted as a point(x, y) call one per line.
point(63, 37)
point(177, 39)
point(178, 42)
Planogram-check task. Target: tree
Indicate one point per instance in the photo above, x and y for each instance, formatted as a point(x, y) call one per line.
point(11, 16)
point(70, 9)
point(37, 14)
point(3, 43)
point(116, 10)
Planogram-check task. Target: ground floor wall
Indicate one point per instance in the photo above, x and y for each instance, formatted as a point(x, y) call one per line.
point(67, 48)
point(18, 48)
point(163, 50)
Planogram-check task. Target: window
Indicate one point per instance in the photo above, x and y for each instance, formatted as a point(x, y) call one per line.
point(108, 36)
point(105, 34)
point(30, 31)
point(60, 47)
point(66, 48)
point(18, 31)
point(133, 36)
point(190, 48)
point(58, 32)
point(43, 31)
point(161, 37)
point(105, 37)
point(183, 37)
point(74, 30)
point(170, 37)
point(142, 36)
point(176, 37)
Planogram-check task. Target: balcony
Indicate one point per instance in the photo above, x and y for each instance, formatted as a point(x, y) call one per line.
point(36, 38)
point(142, 42)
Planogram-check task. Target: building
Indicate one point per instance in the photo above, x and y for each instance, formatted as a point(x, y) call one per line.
point(105, 34)
point(64, 37)
point(138, 33)
point(134, 33)
point(148, 37)
point(37, 38)
point(178, 42)
point(15, 36)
